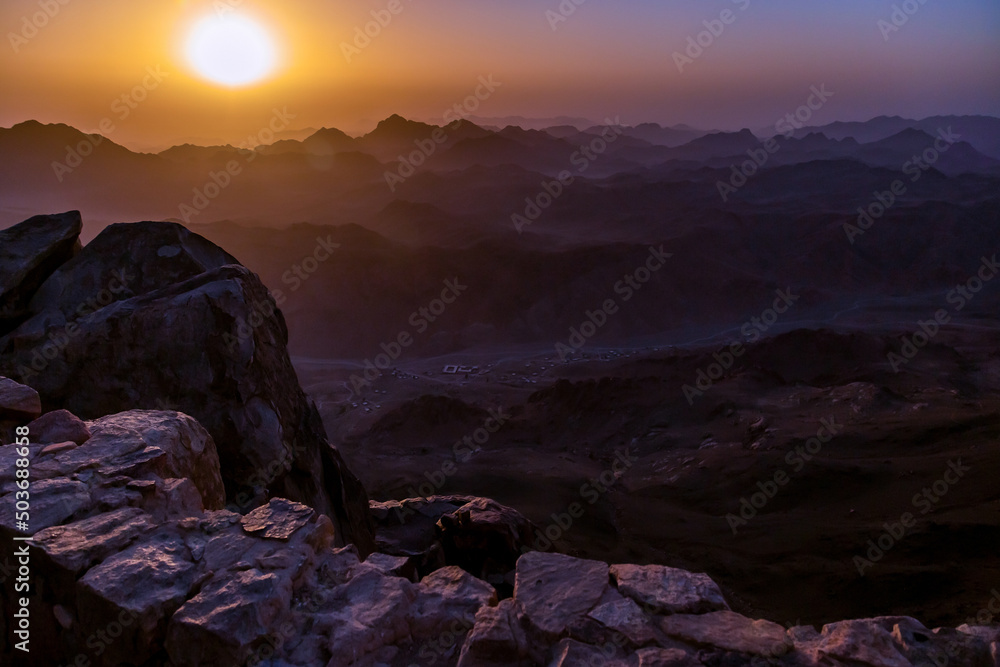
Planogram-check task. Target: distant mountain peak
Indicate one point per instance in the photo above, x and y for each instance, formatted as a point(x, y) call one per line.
point(34, 127)
point(55, 136)
point(329, 131)
point(726, 138)
point(910, 132)
point(910, 136)
point(395, 121)
point(30, 123)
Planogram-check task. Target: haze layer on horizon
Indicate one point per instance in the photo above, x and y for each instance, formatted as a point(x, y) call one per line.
point(724, 64)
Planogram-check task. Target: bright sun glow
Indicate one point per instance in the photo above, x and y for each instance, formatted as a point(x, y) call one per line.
point(232, 50)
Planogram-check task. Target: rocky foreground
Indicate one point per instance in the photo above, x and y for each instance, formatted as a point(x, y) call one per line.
point(136, 562)
point(187, 509)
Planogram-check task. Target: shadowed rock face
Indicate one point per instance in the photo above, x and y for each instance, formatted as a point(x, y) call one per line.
point(192, 347)
point(59, 426)
point(29, 253)
point(152, 316)
point(479, 535)
point(18, 404)
point(124, 261)
point(18, 401)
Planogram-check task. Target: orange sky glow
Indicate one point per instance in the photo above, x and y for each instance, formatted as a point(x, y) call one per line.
point(83, 62)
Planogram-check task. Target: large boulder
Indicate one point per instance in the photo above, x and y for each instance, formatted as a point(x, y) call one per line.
point(484, 538)
point(18, 403)
point(479, 535)
point(170, 443)
point(162, 462)
point(407, 528)
point(147, 256)
point(29, 253)
point(59, 426)
point(174, 323)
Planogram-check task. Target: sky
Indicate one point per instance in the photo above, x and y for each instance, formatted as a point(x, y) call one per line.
point(83, 61)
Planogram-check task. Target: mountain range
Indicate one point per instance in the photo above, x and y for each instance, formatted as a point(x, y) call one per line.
point(471, 174)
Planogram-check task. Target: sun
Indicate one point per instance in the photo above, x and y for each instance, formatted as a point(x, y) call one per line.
point(232, 50)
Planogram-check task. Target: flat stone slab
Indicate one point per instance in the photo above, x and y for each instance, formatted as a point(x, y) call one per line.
point(667, 590)
point(555, 590)
point(278, 519)
point(730, 631)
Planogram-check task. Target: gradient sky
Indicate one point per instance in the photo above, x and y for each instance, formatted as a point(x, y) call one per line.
point(607, 59)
